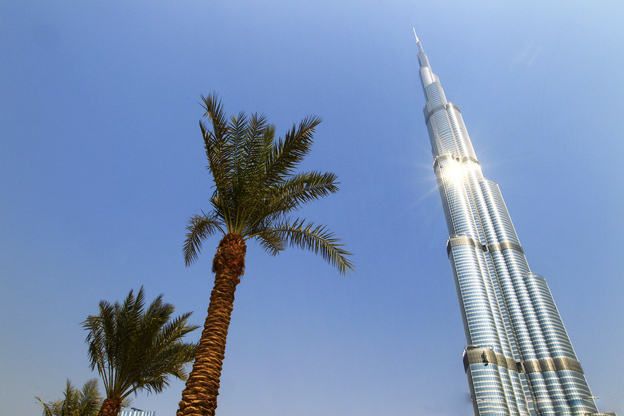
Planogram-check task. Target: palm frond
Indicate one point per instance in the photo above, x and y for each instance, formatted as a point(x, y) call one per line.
point(239, 127)
point(199, 228)
point(290, 151)
point(170, 360)
point(258, 143)
point(299, 190)
point(219, 150)
point(90, 399)
point(100, 339)
point(258, 140)
point(255, 138)
point(215, 113)
point(271, 242)
point(286, 197)
point(48, 408)
point(314, 238)
point(253, 145)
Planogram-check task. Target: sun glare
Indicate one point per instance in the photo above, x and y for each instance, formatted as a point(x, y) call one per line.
point(452, 171)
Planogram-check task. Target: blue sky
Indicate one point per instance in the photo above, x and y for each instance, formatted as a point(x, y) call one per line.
point(102, 164)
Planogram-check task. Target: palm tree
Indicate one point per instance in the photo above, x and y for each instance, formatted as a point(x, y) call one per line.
point(85, 402)
point(135, 349)
point(256, 187)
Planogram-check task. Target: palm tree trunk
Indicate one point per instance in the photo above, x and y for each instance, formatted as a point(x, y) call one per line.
point(110, 407)
point(199, 398)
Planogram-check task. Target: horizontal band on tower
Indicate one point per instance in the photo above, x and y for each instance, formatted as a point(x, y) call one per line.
point(552, 364)
point(505, 245)
point(442, 158)
point(462, 240)
point(438, 108)
point(600, 414)
point(487, 356)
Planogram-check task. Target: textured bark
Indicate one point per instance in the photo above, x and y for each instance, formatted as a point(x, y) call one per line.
point(199, 398)
point(110, 407)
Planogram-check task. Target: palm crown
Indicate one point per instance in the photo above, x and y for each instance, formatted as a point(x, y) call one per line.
point(134, 348)
point(85, 402)
point(256, 186)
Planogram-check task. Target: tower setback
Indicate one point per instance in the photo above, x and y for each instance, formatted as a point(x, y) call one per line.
point(519, 359)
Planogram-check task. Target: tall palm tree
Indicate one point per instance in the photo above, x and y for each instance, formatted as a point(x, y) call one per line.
point(255, 188)
point(85, 402)
point(135, 349)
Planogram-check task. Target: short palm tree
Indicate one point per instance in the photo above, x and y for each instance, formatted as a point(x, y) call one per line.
point(85, 402)
point(255, 188)
point(135, 349)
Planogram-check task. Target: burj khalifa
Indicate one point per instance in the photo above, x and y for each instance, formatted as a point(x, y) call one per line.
point(519, 359)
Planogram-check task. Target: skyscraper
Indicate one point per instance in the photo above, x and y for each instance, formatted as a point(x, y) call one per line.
point(518, 358)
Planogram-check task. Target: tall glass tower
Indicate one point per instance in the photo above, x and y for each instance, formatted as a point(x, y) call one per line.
point(519, 359)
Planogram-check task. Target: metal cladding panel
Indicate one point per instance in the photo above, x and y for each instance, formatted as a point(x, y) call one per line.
point(497, 213)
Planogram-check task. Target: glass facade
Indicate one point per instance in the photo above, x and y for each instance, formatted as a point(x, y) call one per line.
point(518, 358)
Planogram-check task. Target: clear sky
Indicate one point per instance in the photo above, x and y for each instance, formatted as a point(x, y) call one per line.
point(102, 164)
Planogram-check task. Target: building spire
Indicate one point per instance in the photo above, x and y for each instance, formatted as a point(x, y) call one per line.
point(420, 48)
point(426, 75)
